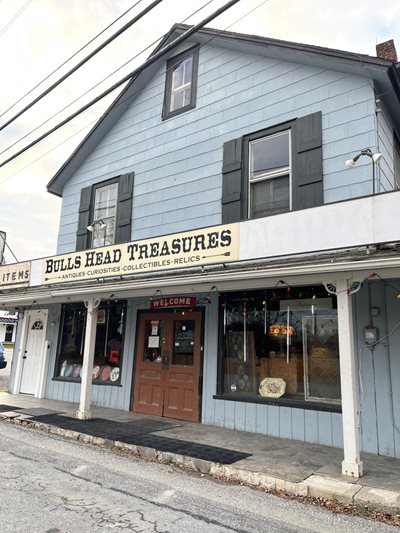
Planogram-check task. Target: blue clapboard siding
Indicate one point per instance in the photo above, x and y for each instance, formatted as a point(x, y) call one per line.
point(181, 158)
point(379, 384)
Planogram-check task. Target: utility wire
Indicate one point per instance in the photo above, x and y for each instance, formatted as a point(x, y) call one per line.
point(69, 59)
point(83, 61)
point(96, 119)
point(135, 72)
point(13, 254)
point(99, 83)
point(14, 18)
point(115, 105)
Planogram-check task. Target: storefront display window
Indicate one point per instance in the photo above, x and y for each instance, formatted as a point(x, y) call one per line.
point(108, 346)
point(281, 343)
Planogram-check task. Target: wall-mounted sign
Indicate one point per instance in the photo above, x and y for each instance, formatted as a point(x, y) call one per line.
point(15, 275)
point(217, 244)
point(173, 301)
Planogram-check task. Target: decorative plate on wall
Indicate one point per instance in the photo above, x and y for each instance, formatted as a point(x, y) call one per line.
point(95, 372)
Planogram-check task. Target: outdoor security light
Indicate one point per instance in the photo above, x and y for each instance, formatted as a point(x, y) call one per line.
point(375, 158)
point(351, 163)
point(100, 223)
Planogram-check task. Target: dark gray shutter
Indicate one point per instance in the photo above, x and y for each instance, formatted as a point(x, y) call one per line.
point(307, 184)
point(83, 220)
point(124, 208)
point(232, 197)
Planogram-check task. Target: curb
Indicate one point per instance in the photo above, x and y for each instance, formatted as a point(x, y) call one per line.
point(315, 486)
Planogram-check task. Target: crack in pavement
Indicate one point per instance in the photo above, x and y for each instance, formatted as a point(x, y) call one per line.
point(197, 516)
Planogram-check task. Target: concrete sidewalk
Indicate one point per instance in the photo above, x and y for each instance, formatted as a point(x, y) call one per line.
point(293, 467)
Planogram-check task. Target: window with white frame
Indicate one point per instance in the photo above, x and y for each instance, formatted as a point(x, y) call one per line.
point(181, 84)
point(180, 87)
point(269, 175)
point(104, 215)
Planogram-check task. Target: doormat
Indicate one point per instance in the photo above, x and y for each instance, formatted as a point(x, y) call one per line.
point(4, 408)
point(140, 434)
point(101, 427)
point(38, 411)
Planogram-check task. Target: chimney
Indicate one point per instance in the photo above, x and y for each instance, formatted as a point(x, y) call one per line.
point(387, 50)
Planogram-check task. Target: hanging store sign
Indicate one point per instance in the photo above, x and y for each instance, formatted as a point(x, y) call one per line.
point(217, 244)
point(16, 275)
point(173, 301)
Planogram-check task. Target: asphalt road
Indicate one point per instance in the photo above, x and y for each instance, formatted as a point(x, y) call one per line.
point(50, 485)
point(4, 377)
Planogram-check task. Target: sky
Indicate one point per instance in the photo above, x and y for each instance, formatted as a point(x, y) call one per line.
point(37, 36)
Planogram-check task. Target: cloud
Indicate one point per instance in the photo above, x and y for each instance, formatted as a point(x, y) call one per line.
point(31, 225)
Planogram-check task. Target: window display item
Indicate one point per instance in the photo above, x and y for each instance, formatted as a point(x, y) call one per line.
point(105, 373)
point(272, 387)
point(114, 374)
point(68, 371)
point(95, 372)
point(76, 371)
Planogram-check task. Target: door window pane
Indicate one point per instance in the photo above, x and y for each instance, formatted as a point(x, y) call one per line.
point(183, 344)
point(153, 341)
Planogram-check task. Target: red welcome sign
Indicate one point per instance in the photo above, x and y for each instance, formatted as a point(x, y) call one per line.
point(173, 301)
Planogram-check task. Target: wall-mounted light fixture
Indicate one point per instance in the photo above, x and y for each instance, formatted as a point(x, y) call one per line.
point(375, 158)
point(100, 223)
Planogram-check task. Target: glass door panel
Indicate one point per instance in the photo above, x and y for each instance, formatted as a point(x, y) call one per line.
point(183, 344)
point(153, 341)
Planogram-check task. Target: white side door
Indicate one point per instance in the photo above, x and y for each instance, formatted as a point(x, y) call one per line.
point(33, 353)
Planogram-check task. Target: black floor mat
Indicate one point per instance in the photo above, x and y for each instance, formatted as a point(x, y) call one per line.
point(4, 408)
point(139, 433)
point(38, 411)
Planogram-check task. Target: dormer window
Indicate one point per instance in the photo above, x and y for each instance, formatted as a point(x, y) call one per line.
point(181, 81)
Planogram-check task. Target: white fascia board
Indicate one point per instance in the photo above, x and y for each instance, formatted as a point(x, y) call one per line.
point(361, 222)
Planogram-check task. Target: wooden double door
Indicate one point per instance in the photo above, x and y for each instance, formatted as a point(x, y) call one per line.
point(168, 362)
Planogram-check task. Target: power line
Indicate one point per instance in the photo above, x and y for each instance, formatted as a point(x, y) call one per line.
point(14, 18)
point(96, 119)
point(99, 83)
point(83, 61)
point(115, 105)
point(13, 254)
point(69, 59)
point(135, 72)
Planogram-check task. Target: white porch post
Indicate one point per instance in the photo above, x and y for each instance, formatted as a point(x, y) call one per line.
point(351, 465)
point(88, 355)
